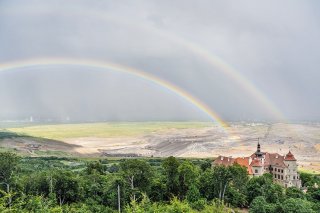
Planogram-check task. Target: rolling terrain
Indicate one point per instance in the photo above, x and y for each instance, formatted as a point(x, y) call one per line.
point(162, 139)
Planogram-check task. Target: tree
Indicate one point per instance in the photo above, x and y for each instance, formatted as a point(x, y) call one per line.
point(293, 192)
point(274, 193)
point(138, 173)
point(206, 184)
point(258, 205)
point(307, 179)
point(206, 165)
point(38, 183)
point(221, 178)
point(170, 166)
point(236, 193)
point(142, 207)
point(113, 168)
point(193, 194)
point(95, 186)
point(264, 187)
point(178, 206)
point(188, 175)
point(36, 204)
point(315, 194)
point(157, 190)
point(66, 187)
point(239, 176)
point(110, 197)
point(95, 167)
point(297, 205)
point(235, 197)
point(194, 198)
point(260, 186)
point(8, 165)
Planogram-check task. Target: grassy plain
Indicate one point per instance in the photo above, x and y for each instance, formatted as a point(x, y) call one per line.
point(102, 130)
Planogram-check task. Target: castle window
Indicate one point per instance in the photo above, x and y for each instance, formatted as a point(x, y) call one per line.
point(275, 176)
point(278, 176)
point(256, 171)
point(294, 177)
point(281, 177)
point(281, 170)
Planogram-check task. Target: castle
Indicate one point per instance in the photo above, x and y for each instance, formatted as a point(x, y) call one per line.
point(282, 168)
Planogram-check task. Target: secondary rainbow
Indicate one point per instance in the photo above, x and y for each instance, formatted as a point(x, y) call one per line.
point(193, 47)
point(206, 55)
point(119, 68)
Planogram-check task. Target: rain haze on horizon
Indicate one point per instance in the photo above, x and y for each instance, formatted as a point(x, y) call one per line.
point(273, 45)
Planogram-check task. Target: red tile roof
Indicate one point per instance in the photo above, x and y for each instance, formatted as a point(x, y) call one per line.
point(276, 160)
point(256, 162)
point(226, 161)
point(290, 157)
point(244, 162)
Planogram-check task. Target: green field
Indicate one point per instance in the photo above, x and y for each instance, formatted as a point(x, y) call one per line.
point(308, 171)
point(103, 130)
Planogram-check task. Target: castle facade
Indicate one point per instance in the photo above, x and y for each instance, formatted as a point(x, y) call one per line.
point(284, 169)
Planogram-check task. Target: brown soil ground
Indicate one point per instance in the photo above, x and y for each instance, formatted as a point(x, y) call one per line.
point(240, 140)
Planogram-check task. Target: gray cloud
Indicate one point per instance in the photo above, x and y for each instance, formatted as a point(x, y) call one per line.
point(273, 44)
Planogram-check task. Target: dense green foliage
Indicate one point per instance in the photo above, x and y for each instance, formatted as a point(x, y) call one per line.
point(146, 185)
point(7, 134)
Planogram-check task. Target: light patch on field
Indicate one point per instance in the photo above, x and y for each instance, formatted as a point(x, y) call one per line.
point(104, 130)
point(91, 145)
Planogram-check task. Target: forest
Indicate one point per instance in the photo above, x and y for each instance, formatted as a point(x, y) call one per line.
point(63, 184)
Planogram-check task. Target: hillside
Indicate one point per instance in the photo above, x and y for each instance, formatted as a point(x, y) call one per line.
point(162, 139)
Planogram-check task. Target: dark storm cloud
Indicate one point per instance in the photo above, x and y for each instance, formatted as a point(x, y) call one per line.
point(272, 43)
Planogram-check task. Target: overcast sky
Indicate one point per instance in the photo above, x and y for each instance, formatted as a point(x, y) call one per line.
point(273, 44)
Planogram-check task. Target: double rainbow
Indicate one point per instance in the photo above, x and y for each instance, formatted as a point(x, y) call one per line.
point(119, 68)
point(211, 58)
point(193, 47)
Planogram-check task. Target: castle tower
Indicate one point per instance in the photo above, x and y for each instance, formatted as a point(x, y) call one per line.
point(292, 176)
point(258, 153)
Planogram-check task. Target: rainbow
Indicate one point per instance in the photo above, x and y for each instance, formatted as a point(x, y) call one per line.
point(193, 47)
point(119, 68)
point(229, 71)
point(206, 55)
